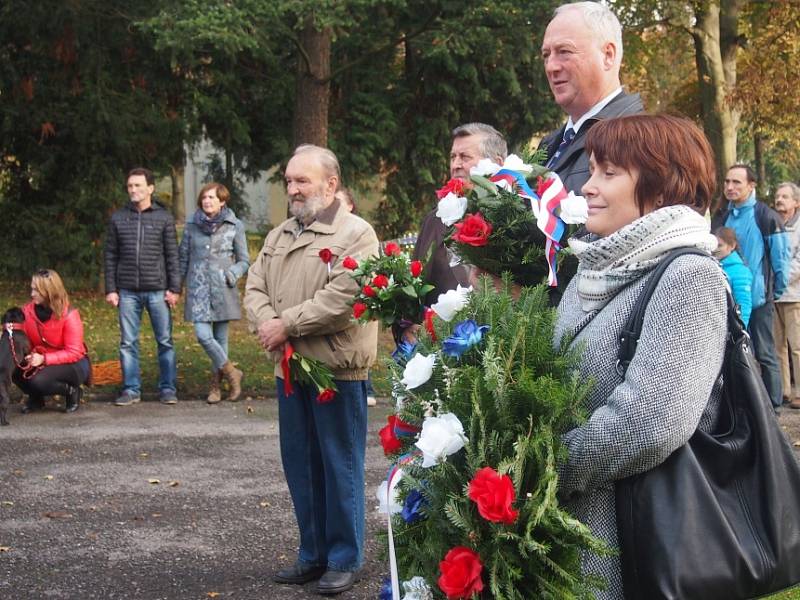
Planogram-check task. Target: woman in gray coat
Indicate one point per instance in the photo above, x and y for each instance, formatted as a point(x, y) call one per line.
point(652, 179)
point(213, 256)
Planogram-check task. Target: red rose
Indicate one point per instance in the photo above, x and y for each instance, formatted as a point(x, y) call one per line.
point(389, 440)
point(494, 494)
point(473, 230)
point(349, 263)
point(455, 186)
point(326, 255)
point(368, 291)
point(416, 268)
point(461, 573)
point(326, 395)
point(359, 308)
point(391, 249)
point(380, 281)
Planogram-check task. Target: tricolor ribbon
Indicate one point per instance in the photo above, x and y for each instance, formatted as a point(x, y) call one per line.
point(394, 472)
point(544, 203)
point(403, 429)
point(288, 352)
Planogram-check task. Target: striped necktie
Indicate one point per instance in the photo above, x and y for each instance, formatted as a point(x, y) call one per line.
point(569, 134)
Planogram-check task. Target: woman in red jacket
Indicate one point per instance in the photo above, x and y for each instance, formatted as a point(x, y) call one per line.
point(58, 363)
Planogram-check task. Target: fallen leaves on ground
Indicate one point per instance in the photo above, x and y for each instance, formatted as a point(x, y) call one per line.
point(174, 483)
point(153, 481)
point(48, 477)
point(7, 503)
point(5, 548)
point(57, 514)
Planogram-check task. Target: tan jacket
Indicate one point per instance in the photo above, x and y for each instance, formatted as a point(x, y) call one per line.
point(290, 281)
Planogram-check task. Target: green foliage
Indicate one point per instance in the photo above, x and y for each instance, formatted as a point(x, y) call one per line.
point(515, 395)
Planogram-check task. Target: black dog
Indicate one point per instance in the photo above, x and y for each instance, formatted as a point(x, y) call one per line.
point(14, 346)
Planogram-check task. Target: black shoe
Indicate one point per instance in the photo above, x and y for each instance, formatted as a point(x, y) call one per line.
point(32, 403)
point(336, 582)
point(73, 398)
point(298, 573)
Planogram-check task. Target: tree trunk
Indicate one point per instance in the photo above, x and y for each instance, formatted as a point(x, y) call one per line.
point(176, 173)
point(715, 35)
point(759, 166)
point(310, 125)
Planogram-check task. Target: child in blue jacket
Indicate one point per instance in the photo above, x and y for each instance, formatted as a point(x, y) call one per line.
point(739, 276)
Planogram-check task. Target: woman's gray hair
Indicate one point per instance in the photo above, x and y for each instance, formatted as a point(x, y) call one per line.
point(326, 158)
point(492, 142)
point(600, 20)
point(795, 189)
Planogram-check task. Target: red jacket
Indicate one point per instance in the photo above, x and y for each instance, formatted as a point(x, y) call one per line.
point(59, 340)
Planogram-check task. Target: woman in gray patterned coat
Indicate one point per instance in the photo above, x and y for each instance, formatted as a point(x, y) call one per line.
point(213, 256)
point(652, 179)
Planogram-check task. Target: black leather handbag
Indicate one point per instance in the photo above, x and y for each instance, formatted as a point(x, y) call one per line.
point(720, 518)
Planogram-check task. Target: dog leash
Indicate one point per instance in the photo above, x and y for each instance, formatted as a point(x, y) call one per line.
point(28, 371)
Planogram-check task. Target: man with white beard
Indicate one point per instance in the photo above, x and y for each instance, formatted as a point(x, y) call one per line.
point(299, 293)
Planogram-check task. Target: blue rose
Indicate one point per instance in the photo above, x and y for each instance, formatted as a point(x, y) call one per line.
point(412, 507)
point(386, 590)
point(465, 335)
point(403, 352)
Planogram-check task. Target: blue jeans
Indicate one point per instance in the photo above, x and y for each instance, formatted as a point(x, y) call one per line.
point(322, 449)
point(213, 337)
point(761, 333)
point(131, 305)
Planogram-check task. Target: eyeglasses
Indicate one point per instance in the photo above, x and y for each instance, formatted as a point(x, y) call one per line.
point(43, 273)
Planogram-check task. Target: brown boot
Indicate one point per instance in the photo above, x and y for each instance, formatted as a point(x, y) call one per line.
point(234, 378)
point(214, 391)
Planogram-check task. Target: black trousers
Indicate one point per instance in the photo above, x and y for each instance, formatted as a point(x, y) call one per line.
point(53, 379)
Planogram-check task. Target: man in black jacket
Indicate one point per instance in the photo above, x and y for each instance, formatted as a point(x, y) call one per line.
point(142, 272)
point(582, 53)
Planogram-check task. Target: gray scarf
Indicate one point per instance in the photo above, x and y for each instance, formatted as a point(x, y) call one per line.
point(609, 264)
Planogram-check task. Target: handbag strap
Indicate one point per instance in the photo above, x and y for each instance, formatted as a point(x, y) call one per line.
point(632, 330)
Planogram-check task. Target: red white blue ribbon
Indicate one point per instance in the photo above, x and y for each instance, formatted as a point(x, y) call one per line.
point(544, 203)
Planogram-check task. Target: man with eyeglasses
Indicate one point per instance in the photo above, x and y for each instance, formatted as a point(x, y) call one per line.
point(142, 273)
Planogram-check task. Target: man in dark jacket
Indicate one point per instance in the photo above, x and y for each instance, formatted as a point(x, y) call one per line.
point(142, 272)
point(582, 52)
point(471, 143)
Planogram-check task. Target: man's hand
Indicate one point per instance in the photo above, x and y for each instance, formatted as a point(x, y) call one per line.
point(113, 299)
point(171, 298)
point(272, 334)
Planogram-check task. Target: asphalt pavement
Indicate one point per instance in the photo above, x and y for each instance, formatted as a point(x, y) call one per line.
point(157, 502)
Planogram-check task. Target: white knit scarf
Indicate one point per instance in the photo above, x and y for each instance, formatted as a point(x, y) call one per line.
point(609, 264)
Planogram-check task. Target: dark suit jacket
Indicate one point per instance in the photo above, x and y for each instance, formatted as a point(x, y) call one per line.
point(573, 168)
point(573, 165)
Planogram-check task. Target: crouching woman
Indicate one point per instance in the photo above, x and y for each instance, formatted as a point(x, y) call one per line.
point(58, 363)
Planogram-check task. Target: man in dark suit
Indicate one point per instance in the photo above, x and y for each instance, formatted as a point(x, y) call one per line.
point(582, 53)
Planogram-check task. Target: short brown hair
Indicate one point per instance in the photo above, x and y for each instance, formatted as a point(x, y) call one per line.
point(222, 193)
point(146, 173)
point(728, 235)
point(671, 154)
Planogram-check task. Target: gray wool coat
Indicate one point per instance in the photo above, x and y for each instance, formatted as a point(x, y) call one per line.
point(210, 266)
point(672, 387)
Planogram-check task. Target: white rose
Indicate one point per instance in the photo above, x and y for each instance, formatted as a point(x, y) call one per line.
point(451, 208)
point(417, 589)
point(418, 370)
point(486, 167)
point(574, 209)
point(451, 302)
point(388, 501)
point(514, 163)
point(440, 437)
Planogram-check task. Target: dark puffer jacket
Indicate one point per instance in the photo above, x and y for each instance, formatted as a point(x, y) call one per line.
point(141, 251)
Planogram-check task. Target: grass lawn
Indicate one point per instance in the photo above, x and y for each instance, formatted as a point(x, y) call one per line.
point(194, 368)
